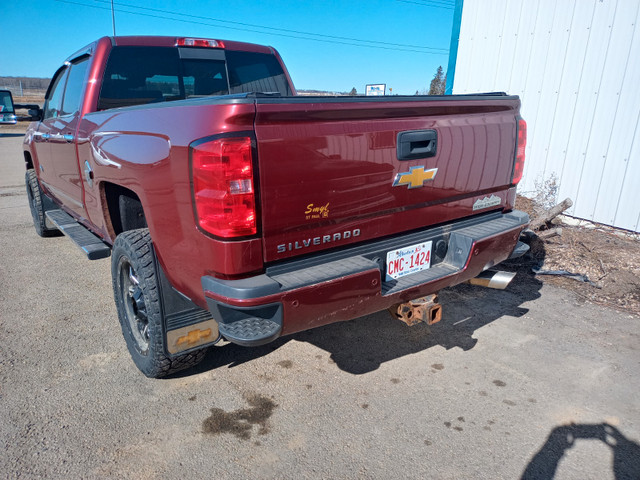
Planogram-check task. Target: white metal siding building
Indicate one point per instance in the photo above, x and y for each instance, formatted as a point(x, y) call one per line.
point(576, 66)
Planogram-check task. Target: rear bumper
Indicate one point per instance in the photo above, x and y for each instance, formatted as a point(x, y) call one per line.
point(331, 287)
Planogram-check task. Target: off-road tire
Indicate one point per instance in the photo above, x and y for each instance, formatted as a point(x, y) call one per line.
point(34, 194)
point(139, 311)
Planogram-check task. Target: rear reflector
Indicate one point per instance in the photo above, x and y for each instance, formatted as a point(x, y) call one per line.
point(223, 190)
point(199, 42)
point(520, 148)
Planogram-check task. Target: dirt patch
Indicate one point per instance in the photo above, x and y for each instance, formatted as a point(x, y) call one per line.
point(20, 127)
point(609, 258)
point(286, 363)
point(30, 98)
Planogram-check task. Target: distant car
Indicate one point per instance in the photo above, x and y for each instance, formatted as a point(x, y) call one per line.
point(7, 110)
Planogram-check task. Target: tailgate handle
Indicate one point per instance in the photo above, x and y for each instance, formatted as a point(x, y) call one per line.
point(415, 144)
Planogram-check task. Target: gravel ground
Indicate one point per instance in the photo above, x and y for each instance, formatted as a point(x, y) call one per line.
point(528, 382)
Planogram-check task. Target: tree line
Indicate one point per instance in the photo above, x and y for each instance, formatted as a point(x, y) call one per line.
point(31, 83)
point(437, 85)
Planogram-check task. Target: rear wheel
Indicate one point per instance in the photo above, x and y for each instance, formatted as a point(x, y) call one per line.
point(35, 195)
point(137, 297)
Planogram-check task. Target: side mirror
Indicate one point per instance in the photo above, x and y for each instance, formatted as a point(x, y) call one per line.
point(35, 114)
point(7, 109)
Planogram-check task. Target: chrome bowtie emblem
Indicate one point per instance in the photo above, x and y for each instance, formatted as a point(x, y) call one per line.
point(415, 177)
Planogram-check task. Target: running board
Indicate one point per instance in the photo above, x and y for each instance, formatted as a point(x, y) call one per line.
point(92, 246)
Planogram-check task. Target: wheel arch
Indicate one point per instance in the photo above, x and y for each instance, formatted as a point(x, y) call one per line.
point(28, 160)
point(124, 210)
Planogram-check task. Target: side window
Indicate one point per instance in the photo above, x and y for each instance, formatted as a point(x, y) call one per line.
point(53, 104)
point(75, 87)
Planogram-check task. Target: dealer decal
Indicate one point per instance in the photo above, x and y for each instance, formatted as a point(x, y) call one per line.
point(316, 212)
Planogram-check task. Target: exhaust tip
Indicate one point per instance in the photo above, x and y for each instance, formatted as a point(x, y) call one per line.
point(493, 279)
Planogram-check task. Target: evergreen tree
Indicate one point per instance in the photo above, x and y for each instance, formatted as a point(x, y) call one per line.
point(353, 92)
point(438, 83)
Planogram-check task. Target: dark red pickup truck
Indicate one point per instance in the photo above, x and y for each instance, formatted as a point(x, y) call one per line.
point(233, 208)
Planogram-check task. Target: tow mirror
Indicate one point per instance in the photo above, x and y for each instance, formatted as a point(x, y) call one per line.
point(7, 110)
point(35, 114)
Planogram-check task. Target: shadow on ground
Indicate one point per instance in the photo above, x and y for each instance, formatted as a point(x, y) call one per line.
point(11, 135)
point(362, 345)
point(626, 453)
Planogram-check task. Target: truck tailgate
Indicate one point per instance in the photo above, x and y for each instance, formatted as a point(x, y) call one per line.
point(330, 173)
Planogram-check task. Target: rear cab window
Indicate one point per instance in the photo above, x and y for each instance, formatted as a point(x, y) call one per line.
point(140, 75)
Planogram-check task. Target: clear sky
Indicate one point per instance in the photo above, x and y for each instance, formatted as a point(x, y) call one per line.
point(326, 45)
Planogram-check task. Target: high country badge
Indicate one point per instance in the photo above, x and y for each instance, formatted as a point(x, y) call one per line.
point(487, 202)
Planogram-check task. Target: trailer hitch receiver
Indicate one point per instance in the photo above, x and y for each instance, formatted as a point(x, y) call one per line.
point(423, 309)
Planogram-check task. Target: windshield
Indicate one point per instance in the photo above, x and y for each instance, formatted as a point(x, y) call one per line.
point(140, 75)
point(6, 103)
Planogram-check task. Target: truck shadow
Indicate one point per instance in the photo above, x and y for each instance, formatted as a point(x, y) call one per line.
point(362, 345)
point(626, 453)
point(11, 135)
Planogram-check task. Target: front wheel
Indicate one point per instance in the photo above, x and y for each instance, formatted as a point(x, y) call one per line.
point(35, 196)
point(137, 297)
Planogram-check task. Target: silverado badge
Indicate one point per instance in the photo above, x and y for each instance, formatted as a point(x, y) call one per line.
point(415, 177)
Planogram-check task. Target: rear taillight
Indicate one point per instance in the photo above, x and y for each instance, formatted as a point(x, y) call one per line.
point(520, 148)
point(223, 192)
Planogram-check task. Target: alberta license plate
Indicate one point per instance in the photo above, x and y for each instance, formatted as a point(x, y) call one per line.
point(408, 260)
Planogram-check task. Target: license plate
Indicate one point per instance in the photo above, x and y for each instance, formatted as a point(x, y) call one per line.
point(408, 260)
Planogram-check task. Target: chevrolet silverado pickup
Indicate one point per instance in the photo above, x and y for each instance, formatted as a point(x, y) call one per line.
point(234, 209)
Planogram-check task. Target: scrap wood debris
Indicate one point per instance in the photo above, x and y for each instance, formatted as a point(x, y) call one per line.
point(604, 261)
point(547, 216)
point(575, 276)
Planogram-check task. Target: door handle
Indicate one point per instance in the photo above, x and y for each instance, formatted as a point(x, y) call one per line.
point(414, 144)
